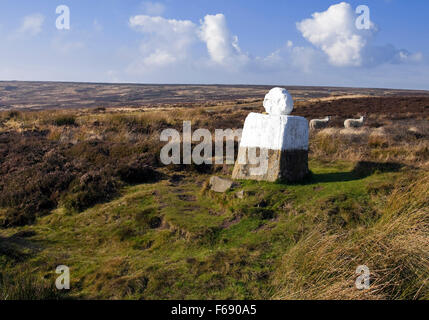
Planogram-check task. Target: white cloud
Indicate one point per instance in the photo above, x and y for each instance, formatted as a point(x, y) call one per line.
point(181, 48)
point(215, 33)
point(301, 59)
point(405, 56)
point(166, 41)
point(222, 47)
point(335, 33)
point(32, 24)
point(153, 8)
point(161, 26)
point(170, 43)
point(160, 58)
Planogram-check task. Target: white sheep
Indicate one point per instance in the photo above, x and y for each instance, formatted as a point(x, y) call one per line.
point(319, 123)
point(354, 123)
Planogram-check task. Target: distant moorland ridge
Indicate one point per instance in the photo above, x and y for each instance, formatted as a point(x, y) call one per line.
point(69, 95)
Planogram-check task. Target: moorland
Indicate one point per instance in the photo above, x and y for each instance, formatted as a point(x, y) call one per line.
point(82, 185)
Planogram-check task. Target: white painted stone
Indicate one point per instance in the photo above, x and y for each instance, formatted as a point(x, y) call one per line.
point(275, 132)
point(278, 102)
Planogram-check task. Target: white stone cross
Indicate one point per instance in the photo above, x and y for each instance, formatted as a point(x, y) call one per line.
point(278, 102)
point(282, 140)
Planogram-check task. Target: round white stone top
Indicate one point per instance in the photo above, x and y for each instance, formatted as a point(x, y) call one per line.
point(278, 102)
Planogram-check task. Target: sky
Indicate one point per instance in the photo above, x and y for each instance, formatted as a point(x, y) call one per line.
point(271, 42)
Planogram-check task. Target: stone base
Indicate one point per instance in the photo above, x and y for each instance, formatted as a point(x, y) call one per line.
point(282, 165)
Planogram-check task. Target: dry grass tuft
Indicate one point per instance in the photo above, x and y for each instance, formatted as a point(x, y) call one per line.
point(392, 143)
point(395, 248)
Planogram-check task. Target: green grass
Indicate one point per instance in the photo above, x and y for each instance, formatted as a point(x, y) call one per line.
point(174, 241)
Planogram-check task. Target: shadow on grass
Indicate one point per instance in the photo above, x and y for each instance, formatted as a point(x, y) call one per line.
point(18, 247)
point(333, 177)
point(361, 170)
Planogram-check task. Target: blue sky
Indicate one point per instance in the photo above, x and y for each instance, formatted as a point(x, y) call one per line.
point(218, 41)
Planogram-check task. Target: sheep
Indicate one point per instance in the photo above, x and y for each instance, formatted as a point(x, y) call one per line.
point(354, 123)
point(319, 123)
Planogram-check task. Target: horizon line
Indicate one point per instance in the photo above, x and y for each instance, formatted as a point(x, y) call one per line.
point(207, 84)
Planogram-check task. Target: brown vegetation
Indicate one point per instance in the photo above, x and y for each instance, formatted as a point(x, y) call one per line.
point(61, 95)
point(84, 157)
